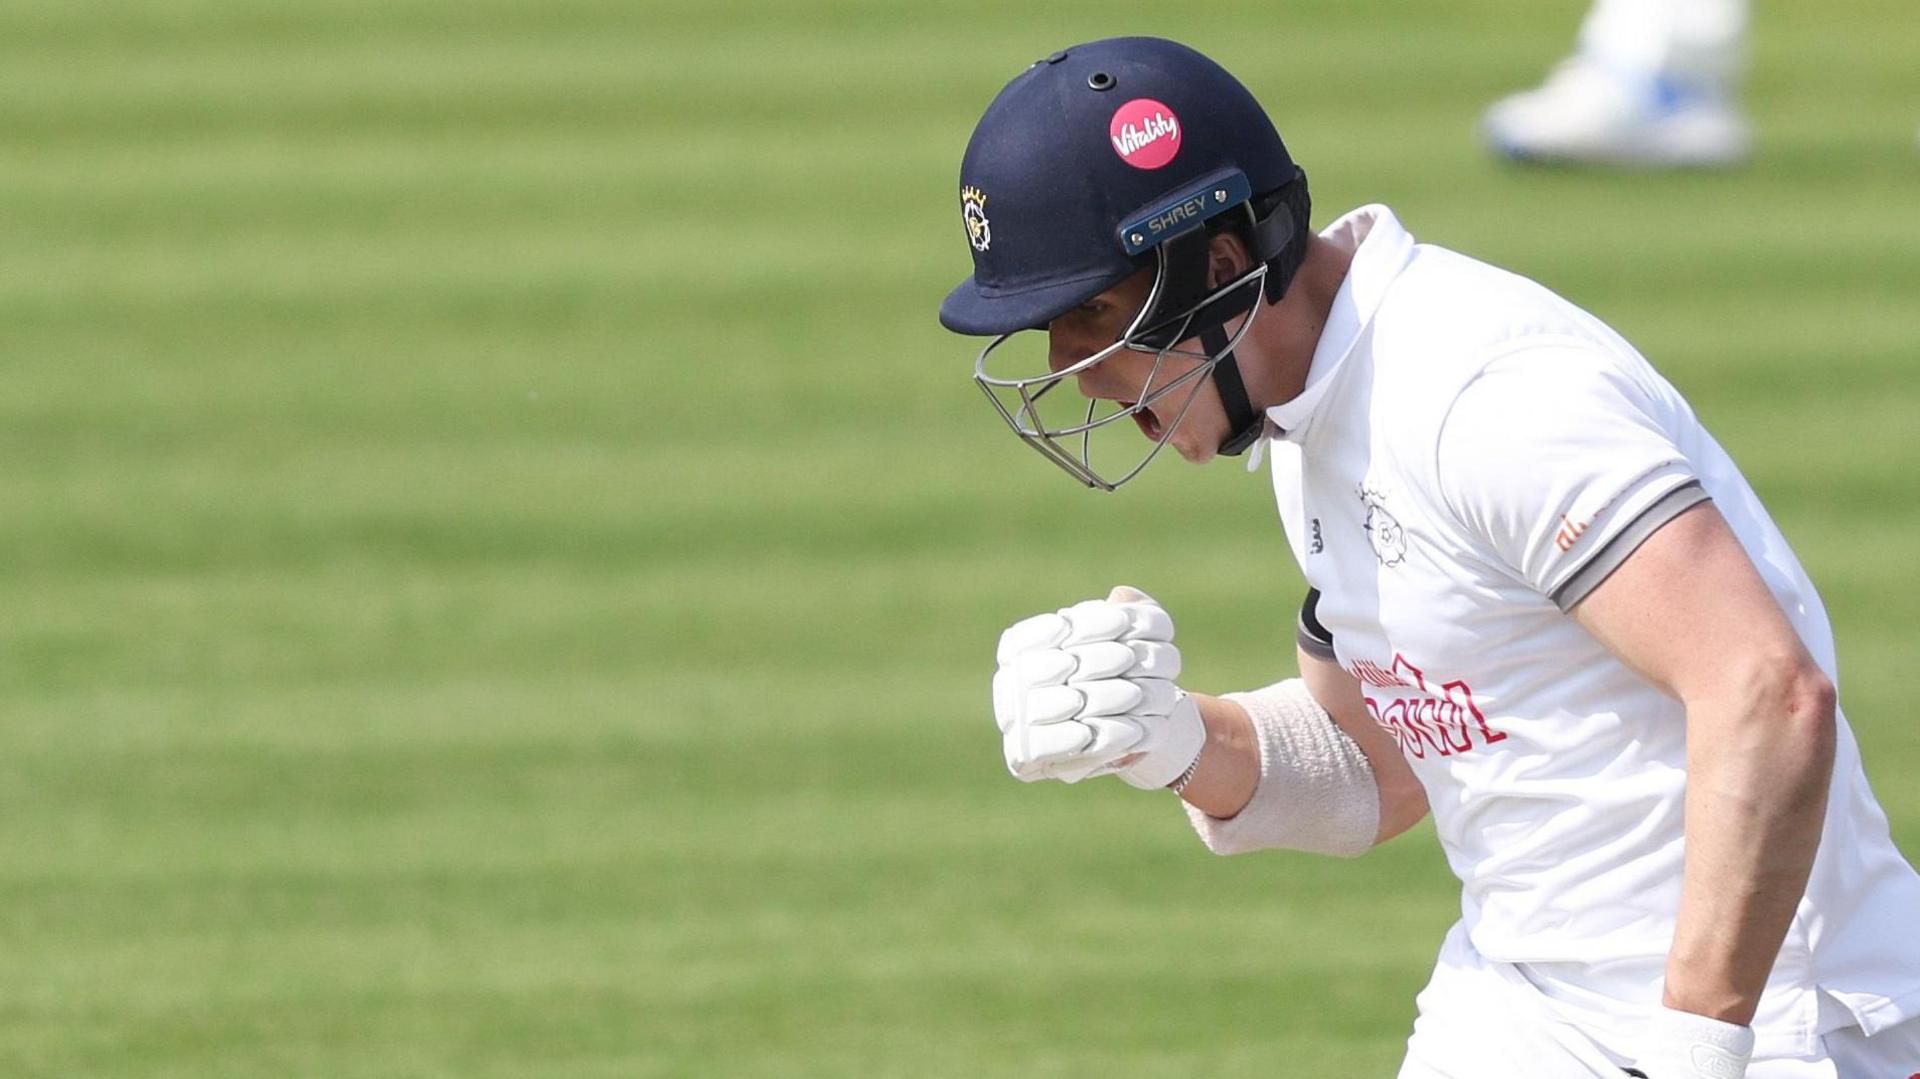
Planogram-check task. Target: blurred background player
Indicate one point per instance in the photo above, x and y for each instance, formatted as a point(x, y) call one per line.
point(1652, 83)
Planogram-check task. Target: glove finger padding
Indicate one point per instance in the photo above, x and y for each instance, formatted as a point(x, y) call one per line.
point(1103, 659)
point(1148, 622)
point(1044, 705)
point(1095, 620)
point(1157, 696)
point(1154, 659)
point(1008, 692)
point(1120, 620)
point(1040, 631)
point(1113, 736)
point(1112, 697)
point(1029, 749)
point(1044, 667)
point(1112, 739)
point(1159, 732)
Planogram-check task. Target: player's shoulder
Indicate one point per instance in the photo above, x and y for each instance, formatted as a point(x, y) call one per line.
point(1477, 364)
point(1450, 320)
point(1448, 303)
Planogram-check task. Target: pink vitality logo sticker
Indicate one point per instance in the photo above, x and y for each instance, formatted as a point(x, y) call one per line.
point(1146, 134)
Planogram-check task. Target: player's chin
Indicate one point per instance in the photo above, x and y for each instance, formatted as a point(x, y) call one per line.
point(1196, 451)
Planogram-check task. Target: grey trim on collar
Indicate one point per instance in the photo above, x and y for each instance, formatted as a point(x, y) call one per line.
point(1626, 541)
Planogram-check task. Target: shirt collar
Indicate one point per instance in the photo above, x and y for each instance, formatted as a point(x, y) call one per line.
point(1381, 249)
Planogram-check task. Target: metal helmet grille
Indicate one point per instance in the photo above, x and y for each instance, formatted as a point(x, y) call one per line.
point(1058, 426)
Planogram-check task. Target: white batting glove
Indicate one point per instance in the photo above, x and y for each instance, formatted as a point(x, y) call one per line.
point(1682, 1045)
point(1088, 690)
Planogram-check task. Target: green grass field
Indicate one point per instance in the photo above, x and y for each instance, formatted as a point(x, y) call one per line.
point(500, 566)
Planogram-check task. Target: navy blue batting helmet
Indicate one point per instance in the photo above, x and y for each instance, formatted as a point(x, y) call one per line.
point(1098, 162)
point(1079, 145)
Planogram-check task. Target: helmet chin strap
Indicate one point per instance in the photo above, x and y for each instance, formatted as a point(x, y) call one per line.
point(1273, 237)
point(1244, 423)
point(1185, 280)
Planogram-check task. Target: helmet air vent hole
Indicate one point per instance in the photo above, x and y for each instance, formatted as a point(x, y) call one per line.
point(1100, 80)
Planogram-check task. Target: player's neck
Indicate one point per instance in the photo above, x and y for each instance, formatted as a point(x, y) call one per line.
point(1279, 349)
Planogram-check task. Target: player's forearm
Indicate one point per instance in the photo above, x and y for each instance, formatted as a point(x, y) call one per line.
point(1758, 770)
point(1285, 777)
point(1228, 770)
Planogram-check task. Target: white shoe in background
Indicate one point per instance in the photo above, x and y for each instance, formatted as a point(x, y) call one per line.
point(1585, 113)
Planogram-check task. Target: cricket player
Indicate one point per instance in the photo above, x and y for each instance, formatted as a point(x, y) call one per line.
point(1544, 605)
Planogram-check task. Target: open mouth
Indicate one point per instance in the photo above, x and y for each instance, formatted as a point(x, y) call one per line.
point(1144, 418)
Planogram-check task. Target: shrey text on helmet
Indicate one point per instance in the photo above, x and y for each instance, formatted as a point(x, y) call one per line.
point(1192, 211)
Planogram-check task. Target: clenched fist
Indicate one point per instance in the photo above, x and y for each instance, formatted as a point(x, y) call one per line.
point(1088, 690)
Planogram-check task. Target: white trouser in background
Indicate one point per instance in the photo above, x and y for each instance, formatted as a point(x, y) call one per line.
point(1694, 39)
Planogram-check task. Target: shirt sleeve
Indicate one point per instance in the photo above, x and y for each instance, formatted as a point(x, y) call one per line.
point(1562, 464)
point(1314, 639)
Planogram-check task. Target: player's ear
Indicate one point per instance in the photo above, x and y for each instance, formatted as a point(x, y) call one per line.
point(1227, 258)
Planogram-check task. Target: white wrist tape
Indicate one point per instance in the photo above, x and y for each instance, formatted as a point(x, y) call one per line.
point(1316, 791)
point(1682, 1045)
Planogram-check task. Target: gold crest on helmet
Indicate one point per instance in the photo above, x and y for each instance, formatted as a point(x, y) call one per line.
point(973, 210)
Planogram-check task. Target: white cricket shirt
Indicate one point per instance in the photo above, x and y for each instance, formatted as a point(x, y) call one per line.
point(1471, 456)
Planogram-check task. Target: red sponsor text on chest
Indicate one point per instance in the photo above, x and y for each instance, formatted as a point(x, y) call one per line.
point(1441, 720)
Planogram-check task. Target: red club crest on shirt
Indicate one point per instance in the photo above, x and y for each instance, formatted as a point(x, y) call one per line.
point(1145, 133)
